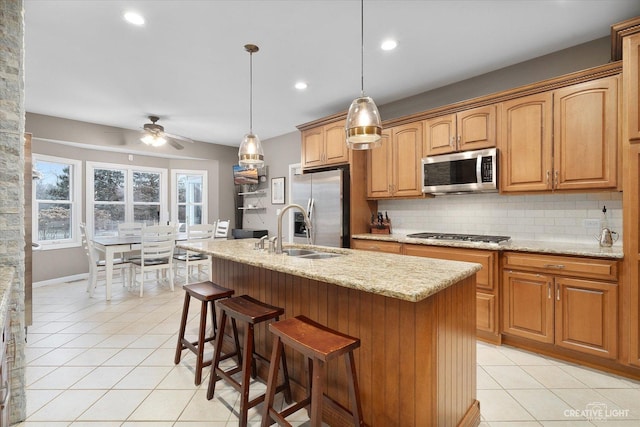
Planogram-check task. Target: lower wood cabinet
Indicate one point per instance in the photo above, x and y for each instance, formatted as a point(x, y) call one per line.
point(486, 283)
point(377, 246)
point(545, 304)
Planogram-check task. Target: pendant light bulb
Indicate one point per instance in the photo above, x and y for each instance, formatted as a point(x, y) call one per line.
point(250, 153)
point(363, 127)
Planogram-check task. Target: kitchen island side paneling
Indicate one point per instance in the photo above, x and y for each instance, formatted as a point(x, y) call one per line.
point(417, 361)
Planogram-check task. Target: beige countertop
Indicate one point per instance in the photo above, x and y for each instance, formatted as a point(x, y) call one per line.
point(552, 248)
point(6, 278)
point(397, 276)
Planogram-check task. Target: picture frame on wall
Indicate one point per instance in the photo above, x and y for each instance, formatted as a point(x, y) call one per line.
point(277, 191)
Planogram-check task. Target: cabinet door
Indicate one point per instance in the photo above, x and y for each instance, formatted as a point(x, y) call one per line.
point(336, 151)
point(485, 312)
point(312, 147)
point(528, 305)
point(631, 74)
point(440, 135)
point(586, 316)
point(585, 135)
point(477, 128)
point(379, 168)
point(526, 143)
point(407, 155)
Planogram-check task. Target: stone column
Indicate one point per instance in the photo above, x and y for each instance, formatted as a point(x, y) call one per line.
point(12, 241)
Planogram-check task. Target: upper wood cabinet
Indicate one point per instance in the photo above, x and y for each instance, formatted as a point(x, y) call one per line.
point(526, 143)
point(631, 72)
point(466, 130)
point(561, 140)
point(393, 170)
point(585, 135)
point(324, 146)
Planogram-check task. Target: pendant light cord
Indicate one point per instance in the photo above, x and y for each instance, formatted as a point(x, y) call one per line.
point(251, 92)
point(362, 48)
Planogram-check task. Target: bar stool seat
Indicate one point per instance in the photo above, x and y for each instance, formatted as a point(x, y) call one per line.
point(206, 293)
point(251, 311)
point(318, 344)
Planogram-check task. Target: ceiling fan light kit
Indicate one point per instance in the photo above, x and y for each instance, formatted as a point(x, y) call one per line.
point(363, 127)
point(250, 153)
point(153, 140)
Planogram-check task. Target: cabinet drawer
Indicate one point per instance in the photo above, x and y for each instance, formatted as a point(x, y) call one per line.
point(566, 266)
point(377, 246)
point(484, 277)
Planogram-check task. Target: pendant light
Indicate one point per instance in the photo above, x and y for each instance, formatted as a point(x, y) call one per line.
point(363, 128)
point(250, 154)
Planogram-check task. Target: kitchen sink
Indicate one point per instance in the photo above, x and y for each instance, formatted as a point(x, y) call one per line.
point(299, 252)
point(310, 254)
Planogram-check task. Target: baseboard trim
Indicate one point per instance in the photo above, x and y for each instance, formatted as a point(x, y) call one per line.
point(59, 280)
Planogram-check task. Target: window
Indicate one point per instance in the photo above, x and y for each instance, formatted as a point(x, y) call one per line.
point(189, 197)
point(56, 202)
point(124, 194)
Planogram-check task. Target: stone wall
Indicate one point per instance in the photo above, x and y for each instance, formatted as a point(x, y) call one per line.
point(12, 184)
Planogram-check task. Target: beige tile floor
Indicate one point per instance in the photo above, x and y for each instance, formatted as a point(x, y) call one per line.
point(102, 364)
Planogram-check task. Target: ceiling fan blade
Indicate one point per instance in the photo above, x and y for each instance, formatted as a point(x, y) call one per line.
point(174, 144)
point(181, 138)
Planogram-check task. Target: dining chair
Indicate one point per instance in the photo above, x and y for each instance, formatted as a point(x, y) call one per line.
point(156, 254)
point(130, 229)
point(222, 229)
point(97, 265)
point(195, 233)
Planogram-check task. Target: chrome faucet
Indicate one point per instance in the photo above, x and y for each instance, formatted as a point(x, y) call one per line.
point(280, 215)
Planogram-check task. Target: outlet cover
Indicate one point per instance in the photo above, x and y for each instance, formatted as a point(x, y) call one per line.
point(591, 223)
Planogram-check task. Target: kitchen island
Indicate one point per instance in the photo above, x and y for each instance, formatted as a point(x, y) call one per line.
point(415, 318)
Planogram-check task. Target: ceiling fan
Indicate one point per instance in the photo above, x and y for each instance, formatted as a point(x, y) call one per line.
point(154, 135)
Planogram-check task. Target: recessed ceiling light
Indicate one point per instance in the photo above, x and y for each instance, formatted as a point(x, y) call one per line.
point(301, 85)
point(389, 45)
point(134, 18)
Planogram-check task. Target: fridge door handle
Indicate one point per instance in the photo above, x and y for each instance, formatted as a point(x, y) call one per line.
point(310, 209)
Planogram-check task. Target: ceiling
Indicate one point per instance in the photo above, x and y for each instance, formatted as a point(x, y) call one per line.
point(187, 64)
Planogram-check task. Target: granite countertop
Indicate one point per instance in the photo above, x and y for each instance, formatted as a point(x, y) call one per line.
point(551, 248)
point(397, 276)
point(6, 278)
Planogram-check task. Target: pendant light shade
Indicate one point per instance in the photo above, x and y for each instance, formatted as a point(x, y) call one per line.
point(250, 153)
point(363, 127)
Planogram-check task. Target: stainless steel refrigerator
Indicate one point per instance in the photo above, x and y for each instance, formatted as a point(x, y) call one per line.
point(325, 197)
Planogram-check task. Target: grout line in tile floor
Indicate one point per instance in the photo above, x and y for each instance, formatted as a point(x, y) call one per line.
point(96, 363)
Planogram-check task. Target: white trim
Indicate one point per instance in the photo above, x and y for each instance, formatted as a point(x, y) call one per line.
point(60, 280)
point(128, 203)
point(128, 150)
point(75, 190)
point(174, 192)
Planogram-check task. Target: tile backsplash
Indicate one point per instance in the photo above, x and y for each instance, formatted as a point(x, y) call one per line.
point(548, 217)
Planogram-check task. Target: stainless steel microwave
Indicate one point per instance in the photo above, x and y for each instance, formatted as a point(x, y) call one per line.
point(465, 172)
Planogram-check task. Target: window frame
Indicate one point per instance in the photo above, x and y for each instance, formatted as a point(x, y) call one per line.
point(174, 192)
point(129, 203)
point(75, 195)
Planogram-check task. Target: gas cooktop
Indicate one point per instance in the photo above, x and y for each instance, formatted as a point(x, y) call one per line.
point(461, 237)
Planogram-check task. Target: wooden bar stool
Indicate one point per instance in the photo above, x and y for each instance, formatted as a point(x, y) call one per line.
point(207, 293)
point(318, 344)
point(251, 311)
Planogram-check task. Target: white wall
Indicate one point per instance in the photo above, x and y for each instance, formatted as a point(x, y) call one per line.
point(552, 217)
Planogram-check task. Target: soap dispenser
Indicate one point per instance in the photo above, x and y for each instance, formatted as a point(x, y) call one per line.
point(607, 237)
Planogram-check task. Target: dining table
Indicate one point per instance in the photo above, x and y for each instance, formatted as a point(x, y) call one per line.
point(111, 245)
